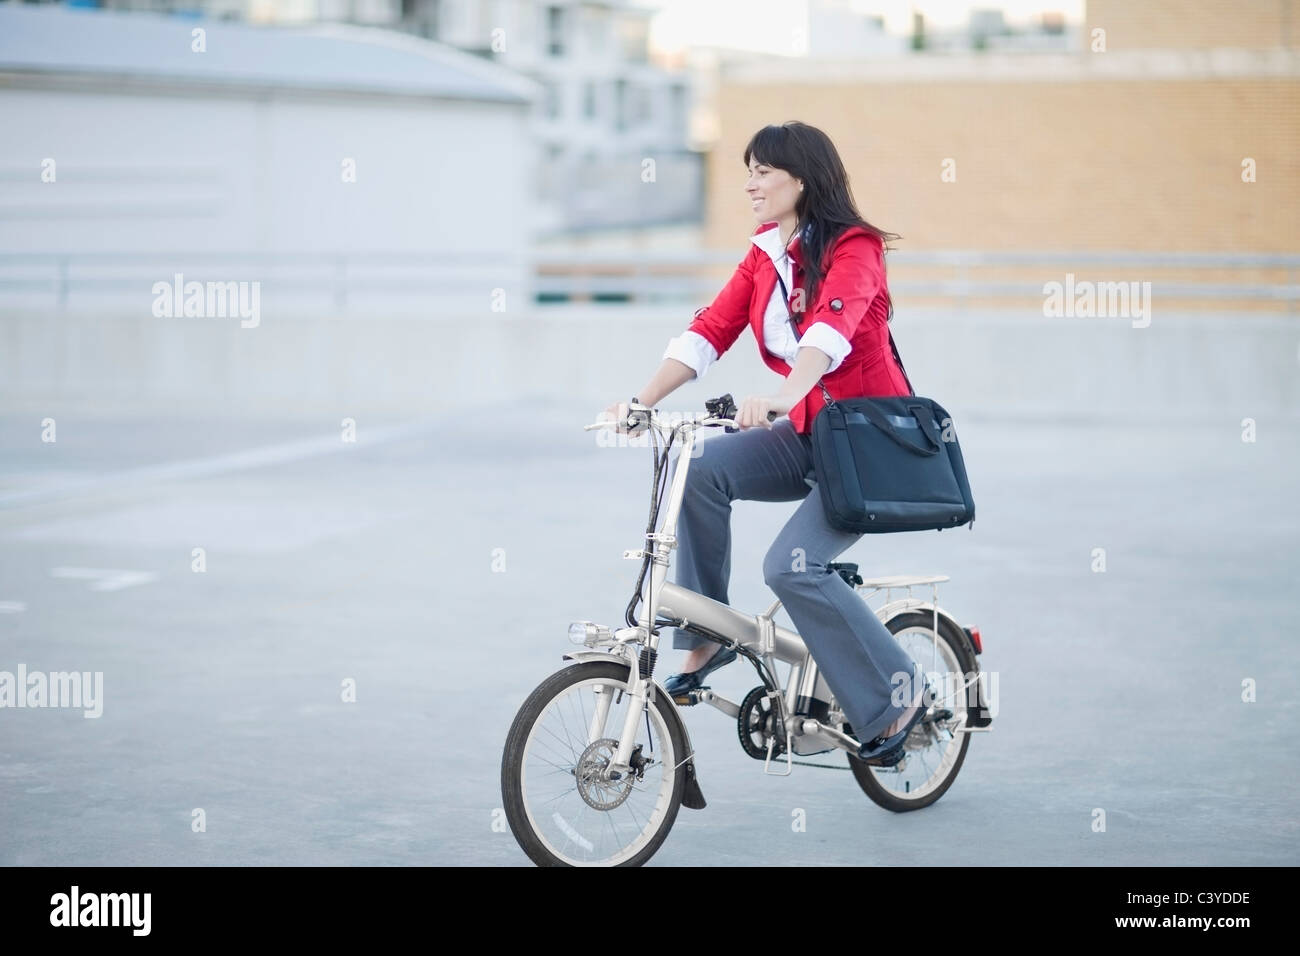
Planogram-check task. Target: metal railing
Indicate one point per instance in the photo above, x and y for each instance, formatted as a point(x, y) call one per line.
point(331, 277)
point(647, 276)
point(963, 274)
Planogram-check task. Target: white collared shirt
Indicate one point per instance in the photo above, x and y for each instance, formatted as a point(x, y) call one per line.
point(693, 349)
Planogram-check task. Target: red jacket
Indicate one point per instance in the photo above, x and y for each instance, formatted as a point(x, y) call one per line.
point(851, 299)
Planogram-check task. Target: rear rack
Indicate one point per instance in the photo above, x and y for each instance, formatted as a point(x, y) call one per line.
point(849, 572)
point(903, 580)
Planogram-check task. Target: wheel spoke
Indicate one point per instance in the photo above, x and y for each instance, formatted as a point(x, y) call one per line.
point(550, 748)
point(639, 825)
point(559, 768)
point(609, 818)
point(573, 753)
point(568, 735)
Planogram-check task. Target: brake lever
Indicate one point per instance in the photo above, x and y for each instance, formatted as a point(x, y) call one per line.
point(725, 407)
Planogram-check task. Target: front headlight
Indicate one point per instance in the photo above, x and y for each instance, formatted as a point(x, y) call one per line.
point(584, 632)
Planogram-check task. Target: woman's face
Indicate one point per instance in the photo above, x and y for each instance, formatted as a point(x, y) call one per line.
point(772, 192)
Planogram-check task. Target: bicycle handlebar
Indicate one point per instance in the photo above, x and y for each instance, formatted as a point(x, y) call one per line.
point(720, 411)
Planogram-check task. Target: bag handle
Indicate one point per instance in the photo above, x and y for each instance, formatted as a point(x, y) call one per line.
point(885, 425)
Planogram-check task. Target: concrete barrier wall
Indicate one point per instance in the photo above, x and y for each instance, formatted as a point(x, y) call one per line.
point(977, 364)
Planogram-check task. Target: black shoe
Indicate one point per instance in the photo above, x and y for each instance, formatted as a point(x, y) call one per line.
point(678, 685)
point(888, 751)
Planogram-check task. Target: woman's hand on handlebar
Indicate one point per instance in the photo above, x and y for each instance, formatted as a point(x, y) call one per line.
point(759, 410)
point(619, 412)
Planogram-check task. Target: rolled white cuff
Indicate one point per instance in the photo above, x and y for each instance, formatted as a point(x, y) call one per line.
point(821, 336)
point(694, 350)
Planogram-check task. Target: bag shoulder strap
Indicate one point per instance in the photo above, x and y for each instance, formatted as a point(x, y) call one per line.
point(785, 297)
point(897, 358)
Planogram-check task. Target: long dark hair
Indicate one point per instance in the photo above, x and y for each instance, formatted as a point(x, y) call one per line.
point(825, 204)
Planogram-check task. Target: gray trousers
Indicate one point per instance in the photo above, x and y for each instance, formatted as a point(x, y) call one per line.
point(862, 663)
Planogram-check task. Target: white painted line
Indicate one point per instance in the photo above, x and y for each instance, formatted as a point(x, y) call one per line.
point(12, 607)
point(106, 579)
point(218, 464)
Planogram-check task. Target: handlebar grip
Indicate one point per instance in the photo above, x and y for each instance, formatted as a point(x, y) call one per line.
point(771, 417)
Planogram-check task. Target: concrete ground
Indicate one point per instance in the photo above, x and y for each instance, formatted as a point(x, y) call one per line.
point(376, 561)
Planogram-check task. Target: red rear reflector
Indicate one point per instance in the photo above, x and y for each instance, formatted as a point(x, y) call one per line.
point(974, 633)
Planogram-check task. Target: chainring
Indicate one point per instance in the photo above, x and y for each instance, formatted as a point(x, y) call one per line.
point(755, 719)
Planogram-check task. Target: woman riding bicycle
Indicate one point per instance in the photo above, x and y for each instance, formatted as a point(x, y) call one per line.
point(832, 328)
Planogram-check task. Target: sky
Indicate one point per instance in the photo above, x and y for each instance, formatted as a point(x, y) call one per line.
point(765, 24)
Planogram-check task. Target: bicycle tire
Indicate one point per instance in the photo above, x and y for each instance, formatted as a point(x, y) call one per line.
point(867, 775)
point(512, 770)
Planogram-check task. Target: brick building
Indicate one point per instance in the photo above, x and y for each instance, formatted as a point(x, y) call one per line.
point(1139, 142)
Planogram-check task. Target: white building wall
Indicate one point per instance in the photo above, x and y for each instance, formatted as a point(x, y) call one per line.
point(443, 188)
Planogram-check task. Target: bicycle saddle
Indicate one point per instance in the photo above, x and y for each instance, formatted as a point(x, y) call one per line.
point(847, 570)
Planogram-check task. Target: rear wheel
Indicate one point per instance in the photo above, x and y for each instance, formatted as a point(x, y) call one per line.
point(563, 804)
point(935, 749)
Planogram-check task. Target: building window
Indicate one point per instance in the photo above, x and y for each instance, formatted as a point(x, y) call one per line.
point(421, 17)
point(555, 22)
point(620, 105)
point(589, 99)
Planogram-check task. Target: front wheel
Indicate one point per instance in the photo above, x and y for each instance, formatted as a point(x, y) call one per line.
point(563, 803)
point(936, 747)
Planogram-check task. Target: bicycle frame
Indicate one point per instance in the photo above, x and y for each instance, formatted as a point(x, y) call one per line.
point(759, 635)
point(572, 749)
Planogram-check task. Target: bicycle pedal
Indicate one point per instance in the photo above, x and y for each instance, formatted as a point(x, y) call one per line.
point(688, 699)
point(887, 763)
